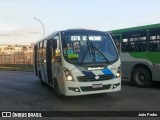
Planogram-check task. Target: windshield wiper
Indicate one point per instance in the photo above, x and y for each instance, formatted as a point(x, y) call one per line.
point(89, 48)
point(102, 54)
point(93, 48)
point(93, 51)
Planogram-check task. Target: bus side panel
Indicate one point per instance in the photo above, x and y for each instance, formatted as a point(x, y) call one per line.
point(129, 63)
point(158, 71)
point(57, 73)
point(126, 69)
point(155, 72)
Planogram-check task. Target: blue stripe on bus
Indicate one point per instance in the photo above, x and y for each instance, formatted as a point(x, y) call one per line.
point(88, 73)
point(106, 71)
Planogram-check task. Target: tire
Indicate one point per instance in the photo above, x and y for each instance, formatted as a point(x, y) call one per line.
point(141, 77)
point(56, 89)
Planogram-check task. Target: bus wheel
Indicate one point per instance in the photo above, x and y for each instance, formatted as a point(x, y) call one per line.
point(141, 77)
point(56, 89)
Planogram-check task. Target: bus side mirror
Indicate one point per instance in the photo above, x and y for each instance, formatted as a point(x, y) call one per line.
point(54, 44)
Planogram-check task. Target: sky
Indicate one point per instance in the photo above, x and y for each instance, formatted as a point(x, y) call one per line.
point(17, 25)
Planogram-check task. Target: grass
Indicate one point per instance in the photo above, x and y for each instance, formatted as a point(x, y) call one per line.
point(28, 68)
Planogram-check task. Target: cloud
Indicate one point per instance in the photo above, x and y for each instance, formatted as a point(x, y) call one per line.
point(14, 31)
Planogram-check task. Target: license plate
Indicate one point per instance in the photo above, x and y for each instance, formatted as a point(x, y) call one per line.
point(97, 85)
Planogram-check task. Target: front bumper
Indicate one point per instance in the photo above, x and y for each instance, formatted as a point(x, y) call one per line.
point(75, 88)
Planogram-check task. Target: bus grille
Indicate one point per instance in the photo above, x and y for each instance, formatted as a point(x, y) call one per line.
point(89, 88)
point(92, 78)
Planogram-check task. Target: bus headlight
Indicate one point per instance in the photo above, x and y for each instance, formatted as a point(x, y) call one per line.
point(118, 74)
point(69, 78)
point(68, 74)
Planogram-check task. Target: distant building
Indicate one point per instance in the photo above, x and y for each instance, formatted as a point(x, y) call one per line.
point(16, 49)
point(6, 49)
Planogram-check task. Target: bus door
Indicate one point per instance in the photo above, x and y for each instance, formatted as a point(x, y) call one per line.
point(49, 61)
point(35, 59)
point(42, 61)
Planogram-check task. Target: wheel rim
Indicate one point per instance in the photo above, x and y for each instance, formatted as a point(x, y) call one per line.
point(141, 77)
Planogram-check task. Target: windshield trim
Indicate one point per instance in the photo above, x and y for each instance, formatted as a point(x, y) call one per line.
point(87, 63)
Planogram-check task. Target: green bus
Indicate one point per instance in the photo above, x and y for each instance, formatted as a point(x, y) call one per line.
point(139, 49)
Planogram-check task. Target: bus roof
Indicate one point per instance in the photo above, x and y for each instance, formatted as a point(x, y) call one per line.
point(119, 31)
point(80, 30)
point(50, 36)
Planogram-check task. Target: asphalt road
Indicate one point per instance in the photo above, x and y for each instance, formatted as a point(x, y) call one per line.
point(21, 91)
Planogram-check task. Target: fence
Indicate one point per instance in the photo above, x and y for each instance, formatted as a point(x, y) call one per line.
point(16, 58)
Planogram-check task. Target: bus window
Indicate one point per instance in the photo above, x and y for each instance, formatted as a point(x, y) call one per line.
point(154, 41)
point(134, 42)
point(56, 49)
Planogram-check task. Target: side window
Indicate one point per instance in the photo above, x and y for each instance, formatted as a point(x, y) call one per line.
point(56, 53)
point(154, 41)
point(44, 49)
point(124, 47)
point(40, 50)
point(134, 42)
point(53, 49)
point(57, 50)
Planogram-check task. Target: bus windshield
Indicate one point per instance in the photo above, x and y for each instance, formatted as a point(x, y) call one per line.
point(82, 47)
